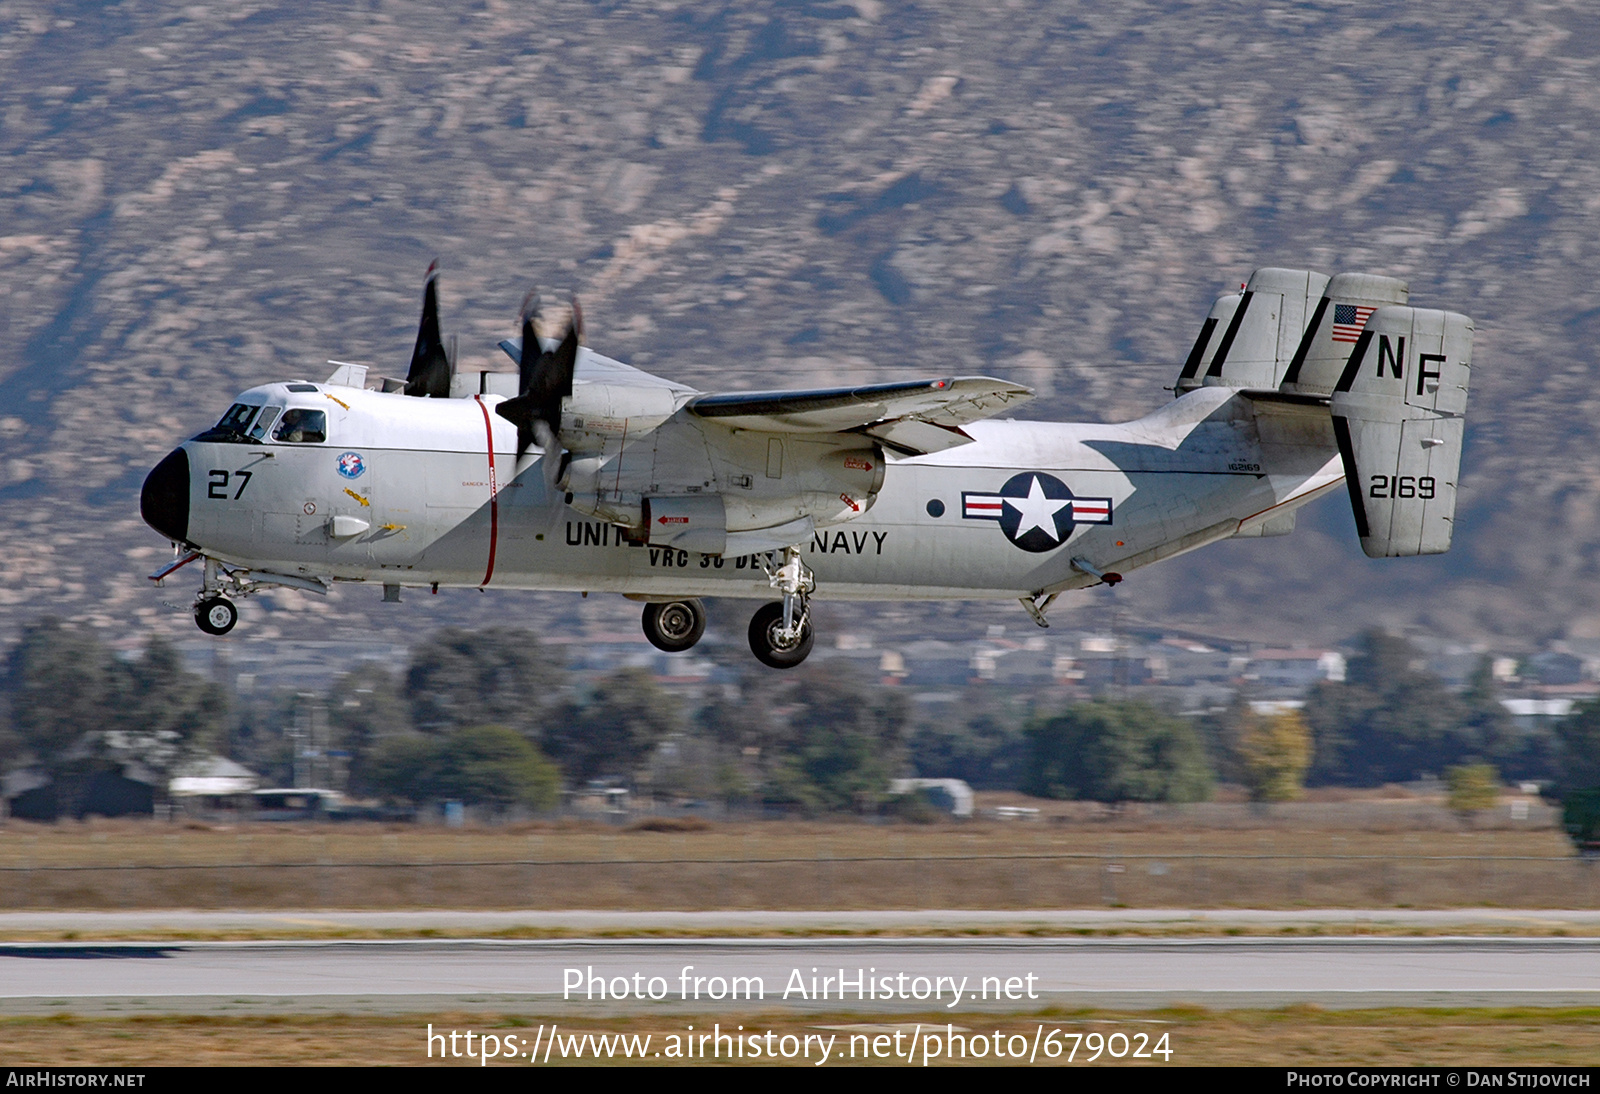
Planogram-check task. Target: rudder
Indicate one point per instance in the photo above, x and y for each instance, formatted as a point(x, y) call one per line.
point(1399, 411)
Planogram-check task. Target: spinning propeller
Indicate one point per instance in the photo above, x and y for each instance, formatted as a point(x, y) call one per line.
point(545, 379)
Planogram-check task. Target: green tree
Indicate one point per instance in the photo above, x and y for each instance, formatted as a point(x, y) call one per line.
point(1579, 737)
point(365, 708)
point(1274, 752)
point(1486, 720)
point(496, 766)
point(405, 768)
point(617, 729)
point(160, 713)
point(492, 766)
point(978, 742)
point(844, 742)
point(76, 710)
point(1117, 751)
point(496, 676)
point(58, 682)
point(1388, 722)
point(1473, 788)
point(746, 735)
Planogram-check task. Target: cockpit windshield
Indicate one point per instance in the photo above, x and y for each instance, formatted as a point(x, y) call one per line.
point(301, 426)
point(232, 425)
point(264, 422)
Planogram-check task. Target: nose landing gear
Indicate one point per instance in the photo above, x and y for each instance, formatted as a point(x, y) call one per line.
point(216, 615)
point(214, 612)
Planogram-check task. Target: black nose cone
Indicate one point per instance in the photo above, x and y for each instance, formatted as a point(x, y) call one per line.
point(164, 502)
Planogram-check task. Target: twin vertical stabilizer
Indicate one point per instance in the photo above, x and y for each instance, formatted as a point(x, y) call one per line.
point(1399, 411)
point(1396, 378)
point(1250, 336)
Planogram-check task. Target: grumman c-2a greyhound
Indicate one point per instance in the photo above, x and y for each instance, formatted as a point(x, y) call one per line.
point(581, 473)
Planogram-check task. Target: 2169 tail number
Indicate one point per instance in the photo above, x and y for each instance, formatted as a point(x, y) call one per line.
point(1402, 486)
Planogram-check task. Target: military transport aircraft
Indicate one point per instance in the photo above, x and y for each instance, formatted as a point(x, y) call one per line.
point(580, 473)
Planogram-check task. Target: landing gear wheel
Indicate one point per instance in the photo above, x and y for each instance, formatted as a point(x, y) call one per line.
point(674, 626)
point(766, 641)
point(216, 615)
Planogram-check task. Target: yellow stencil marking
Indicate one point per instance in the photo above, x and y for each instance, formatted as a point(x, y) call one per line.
point(341, 402)
point(364, 502)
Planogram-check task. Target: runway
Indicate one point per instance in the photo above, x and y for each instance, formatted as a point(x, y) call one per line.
point(182, 923)
point(906, 975)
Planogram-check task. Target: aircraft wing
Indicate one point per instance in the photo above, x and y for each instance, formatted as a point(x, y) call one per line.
point(912, 417)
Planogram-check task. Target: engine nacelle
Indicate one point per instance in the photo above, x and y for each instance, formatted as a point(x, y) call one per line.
point(599, 414)
point(791, 486)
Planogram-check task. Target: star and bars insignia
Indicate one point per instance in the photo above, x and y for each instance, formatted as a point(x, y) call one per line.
point(1037, 512)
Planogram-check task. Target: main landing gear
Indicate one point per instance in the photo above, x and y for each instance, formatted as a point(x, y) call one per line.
point(676, 625)
point(780, 633)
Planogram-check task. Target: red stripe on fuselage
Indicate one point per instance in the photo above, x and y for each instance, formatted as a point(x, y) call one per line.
point(494, 492)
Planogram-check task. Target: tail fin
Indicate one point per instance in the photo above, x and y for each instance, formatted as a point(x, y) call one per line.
point(1399, 412)
point(1200, 357)
point(1262, 330)
point(1334, 327)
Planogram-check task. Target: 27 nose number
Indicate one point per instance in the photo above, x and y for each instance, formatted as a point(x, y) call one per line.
point(219, 484)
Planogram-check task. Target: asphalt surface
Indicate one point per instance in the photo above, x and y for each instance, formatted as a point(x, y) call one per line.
point(180, 922)
point(696, 976)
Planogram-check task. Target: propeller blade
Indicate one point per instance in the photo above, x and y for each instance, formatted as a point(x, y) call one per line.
point(531, 349)
point(555, 459)
point(430, 371)
point(545, 378)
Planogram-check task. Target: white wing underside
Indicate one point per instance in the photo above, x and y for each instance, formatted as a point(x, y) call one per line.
point(911, 417)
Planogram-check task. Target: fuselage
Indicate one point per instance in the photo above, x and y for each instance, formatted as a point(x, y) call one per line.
point(399, 490)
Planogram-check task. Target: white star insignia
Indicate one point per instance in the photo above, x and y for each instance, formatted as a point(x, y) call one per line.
point(1038, 511)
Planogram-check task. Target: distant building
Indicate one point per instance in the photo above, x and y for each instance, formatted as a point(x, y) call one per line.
point(1296, 669)
point(1537, 713)
point(211, 783)
point(958, 793)
point(33, 795)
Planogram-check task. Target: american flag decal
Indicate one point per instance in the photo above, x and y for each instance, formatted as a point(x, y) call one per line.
point(1348, 321)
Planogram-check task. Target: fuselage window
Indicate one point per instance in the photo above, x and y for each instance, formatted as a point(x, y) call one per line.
point(264, 423)
point(302, 427)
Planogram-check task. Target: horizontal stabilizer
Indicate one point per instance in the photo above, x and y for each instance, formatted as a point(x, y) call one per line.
point(1399, 418)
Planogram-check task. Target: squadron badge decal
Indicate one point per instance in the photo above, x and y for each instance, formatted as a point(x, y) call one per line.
point(1036, 511)
point(351, 465)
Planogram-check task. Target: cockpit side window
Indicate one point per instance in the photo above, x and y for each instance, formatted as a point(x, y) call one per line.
point(264, 423)
point(300, 426)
